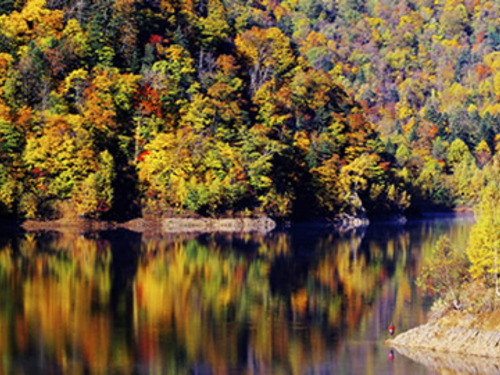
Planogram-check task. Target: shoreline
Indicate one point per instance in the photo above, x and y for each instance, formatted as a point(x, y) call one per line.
point(151, 226)
point(446, 362)
point(176, 225)
point(456, 333)
point(342, 223)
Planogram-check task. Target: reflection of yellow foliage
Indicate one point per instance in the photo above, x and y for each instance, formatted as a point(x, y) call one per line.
point(403, 296)
point(58, 298)
point(299, 302)
point(202, 297)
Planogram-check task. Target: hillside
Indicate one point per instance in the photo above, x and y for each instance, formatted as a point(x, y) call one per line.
point(292, 109)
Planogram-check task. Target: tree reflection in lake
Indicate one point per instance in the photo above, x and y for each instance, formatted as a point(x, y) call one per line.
point(301, 301)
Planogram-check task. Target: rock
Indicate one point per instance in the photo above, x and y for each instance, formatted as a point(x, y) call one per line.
point(444, 337)
point(451, 363)
point(155, 225)
point(344, 222)
point(178, 225)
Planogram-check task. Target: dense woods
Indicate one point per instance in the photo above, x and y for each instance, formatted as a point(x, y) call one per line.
point(287, 108)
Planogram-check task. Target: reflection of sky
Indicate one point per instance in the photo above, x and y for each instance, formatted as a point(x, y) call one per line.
point(306, 301)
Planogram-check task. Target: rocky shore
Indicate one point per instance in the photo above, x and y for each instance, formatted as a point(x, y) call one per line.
point(457, 333)
point(341, 223)
point(433, 336)
point(346, 223)
point(261, 225)
point(155, 226)
point(452, 363)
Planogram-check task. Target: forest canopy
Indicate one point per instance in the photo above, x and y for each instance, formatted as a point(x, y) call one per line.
point(291, 109)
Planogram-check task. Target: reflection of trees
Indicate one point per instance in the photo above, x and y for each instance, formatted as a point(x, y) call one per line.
point(199, 296)
point(231, 304)
point(206, 299)
point(59, 300)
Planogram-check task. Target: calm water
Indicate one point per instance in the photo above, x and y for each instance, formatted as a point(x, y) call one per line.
point(303, 301)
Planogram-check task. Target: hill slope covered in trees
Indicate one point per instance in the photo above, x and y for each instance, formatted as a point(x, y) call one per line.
point(290, 109)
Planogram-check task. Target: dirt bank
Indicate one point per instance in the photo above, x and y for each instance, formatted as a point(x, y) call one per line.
point(456, 332)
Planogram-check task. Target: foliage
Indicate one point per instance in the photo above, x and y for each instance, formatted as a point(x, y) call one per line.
point(445, 272)
point(484, 242)
point(290, 109)
point(469, 280)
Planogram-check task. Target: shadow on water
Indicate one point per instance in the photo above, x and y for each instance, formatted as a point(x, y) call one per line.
point(125, 248)
point(303, 300)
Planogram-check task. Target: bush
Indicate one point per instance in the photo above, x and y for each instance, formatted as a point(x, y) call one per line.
point(477, 298)
point(445, 273)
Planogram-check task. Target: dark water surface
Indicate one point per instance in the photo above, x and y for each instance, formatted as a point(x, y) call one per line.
point(304, 301)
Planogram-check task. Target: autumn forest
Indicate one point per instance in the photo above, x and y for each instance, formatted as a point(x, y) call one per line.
point(290, 109)
point(302, 113)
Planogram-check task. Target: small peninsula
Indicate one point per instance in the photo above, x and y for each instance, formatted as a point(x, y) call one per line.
point(465, 316)
point(456, 332)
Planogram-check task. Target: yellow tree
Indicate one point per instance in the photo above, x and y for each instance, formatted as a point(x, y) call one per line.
point(483, 153)
point(484, 241)
point(457, 152)
point(65, 175)
point(269, 54)
point(57, 158)
point(75, 40)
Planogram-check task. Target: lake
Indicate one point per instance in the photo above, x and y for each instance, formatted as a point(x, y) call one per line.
point(299, 301)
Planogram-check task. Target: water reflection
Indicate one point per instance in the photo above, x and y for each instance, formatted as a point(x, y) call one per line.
point(452, 363)
point(305, 301)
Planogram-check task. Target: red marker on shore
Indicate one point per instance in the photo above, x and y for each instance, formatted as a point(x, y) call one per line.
point(390, 356)
point(391, 329)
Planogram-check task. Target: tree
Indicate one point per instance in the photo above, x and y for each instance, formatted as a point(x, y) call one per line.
point(6, 6)
point(172, 77)
point(268, 52)
point(403, 155)
point(94, 195)
point(483, 153)
point(75, 41)
point(60, 158)
point(458, 151)
point(214, 26)
point(444, 272)
point(484, 242)
point(454, 18)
